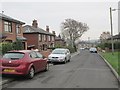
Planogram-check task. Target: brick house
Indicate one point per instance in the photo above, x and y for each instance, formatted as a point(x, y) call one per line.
point(59, 41)
point(11, 30)
point(38, 38)
point(116, 38)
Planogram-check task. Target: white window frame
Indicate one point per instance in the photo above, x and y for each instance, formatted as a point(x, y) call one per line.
point(52, 38)
point(40, 37)
point(18, 30)
point(49, 38)
point(7, 26)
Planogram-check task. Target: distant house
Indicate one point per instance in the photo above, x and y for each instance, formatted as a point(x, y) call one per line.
point(115, 38)
point(38, 38)
point(59, 41)
point(11, 30)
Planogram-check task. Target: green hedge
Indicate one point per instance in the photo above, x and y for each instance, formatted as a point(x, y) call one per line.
point(5, 46)
point(108, 45)
point(17, 45)
point(72, 50)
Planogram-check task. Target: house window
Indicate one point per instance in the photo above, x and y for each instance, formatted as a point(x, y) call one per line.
point(49, 38)
point(18, 30)
point(52, 38)
point(45, 38)
point(7, 26)
point(27, 30)
point(40, 37)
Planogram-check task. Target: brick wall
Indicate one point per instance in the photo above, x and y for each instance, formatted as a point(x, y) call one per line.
point(32, 39)
point(11, 35)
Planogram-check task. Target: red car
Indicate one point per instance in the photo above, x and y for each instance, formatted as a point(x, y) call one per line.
point(23, 62)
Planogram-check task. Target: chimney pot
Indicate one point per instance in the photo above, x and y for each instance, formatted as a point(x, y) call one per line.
point(35, 24)
point(47, 28)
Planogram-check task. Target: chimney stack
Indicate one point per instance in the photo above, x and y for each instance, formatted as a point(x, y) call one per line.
point(47, 28)
point(35, 24)
point(53, 32)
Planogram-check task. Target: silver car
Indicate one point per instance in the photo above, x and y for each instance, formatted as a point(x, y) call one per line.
point(59, 55)
point(93, 50)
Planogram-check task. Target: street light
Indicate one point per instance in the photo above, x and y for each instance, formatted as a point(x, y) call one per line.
point(112, 28)
point(115, 9)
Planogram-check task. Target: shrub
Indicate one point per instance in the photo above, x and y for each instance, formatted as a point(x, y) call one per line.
point(72, 49)
point(17, 45)
point(108, 45)
point(59, 46)
point(4, 47)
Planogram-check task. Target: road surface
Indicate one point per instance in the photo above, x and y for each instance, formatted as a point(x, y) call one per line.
point(86, 70)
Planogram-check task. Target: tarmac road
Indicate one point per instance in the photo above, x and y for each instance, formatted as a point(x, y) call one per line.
point(86, 70)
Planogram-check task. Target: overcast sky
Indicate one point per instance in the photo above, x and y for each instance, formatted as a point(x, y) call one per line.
point(95, 14)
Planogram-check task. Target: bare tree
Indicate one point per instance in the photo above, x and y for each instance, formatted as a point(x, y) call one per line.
point(72, 29)
point(104, 36)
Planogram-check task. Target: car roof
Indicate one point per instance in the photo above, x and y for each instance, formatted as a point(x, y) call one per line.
point(22, 51)
point(60, 49)
point(93, 48)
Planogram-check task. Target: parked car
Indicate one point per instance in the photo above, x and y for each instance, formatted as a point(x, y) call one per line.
point(59, 55)
point(82, 48)
point(93, 50)
point(23, 62)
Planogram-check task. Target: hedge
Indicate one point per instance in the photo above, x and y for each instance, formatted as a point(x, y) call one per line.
point(109, 45)
point(5, 46)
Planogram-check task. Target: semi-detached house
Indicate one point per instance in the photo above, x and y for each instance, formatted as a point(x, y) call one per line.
point(11, 30)
point(38, 38)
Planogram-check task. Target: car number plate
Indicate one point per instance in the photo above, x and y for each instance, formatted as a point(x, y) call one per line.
point(54, 59)
point(9, 70)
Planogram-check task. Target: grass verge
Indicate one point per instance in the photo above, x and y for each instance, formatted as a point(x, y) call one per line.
point(113, 59)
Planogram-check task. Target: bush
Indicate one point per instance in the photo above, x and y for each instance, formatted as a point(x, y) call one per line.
point(17, 45)
point(72, 49)
point(59, 46)
point(4, 47)
point(109, 45)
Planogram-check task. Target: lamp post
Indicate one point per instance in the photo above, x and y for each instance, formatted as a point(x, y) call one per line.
point(112, 42)
point(111, 30)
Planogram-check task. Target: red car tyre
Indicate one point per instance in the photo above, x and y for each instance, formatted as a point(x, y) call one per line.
point(31, 73)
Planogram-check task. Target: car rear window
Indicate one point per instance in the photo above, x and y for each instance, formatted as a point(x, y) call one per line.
point(13, 55)
point(59, 51)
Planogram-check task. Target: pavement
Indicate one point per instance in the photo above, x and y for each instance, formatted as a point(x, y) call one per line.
point(111, 68)
point(5, 80)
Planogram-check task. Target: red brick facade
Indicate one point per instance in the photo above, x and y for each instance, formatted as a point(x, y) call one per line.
point(38, 38)
point(8, 28)
point(32, 39)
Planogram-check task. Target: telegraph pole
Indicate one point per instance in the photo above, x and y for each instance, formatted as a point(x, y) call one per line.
point(112, 42)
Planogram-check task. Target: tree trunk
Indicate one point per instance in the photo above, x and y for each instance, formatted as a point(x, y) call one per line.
point(75, 48)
